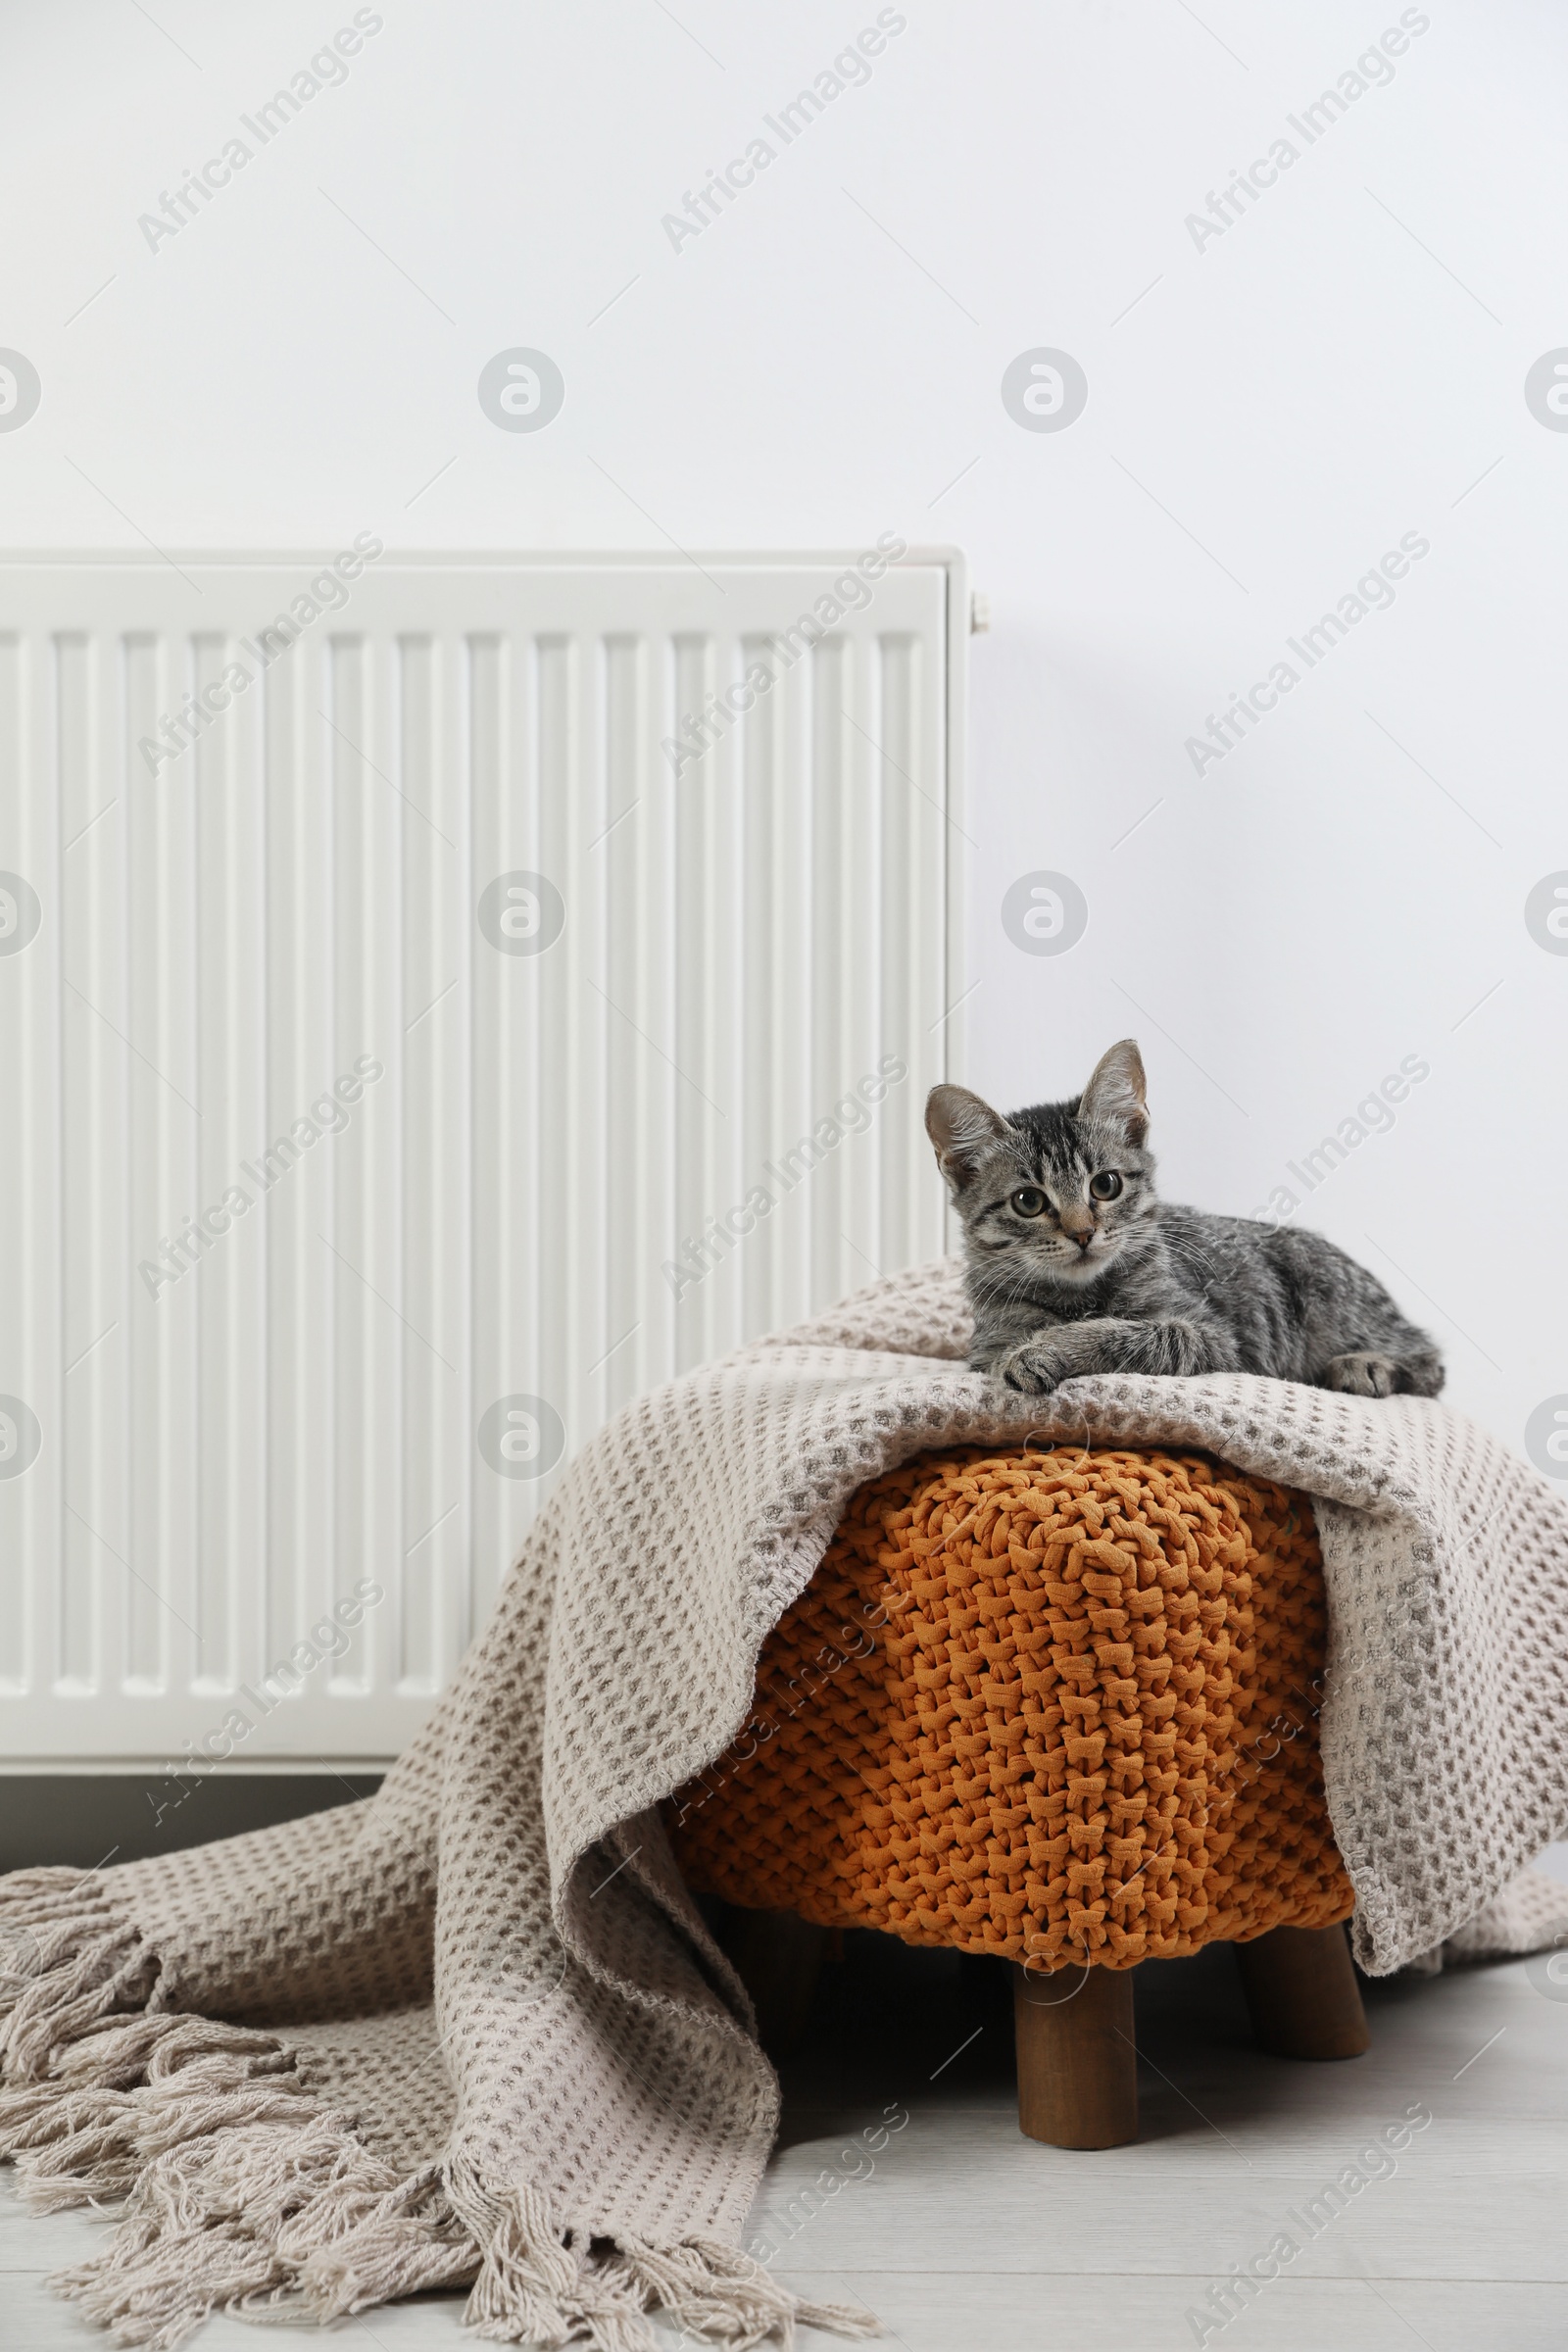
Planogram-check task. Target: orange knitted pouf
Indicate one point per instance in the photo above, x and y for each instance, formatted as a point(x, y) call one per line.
point(1052, 1705)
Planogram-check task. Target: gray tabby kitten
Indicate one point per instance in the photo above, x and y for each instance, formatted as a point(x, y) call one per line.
point(1074, 1265)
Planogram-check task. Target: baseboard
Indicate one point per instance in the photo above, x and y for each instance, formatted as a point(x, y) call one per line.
point(87, 1820)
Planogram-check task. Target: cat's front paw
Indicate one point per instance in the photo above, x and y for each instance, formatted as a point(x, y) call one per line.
point(1034, 1368)
point(1362, 1374)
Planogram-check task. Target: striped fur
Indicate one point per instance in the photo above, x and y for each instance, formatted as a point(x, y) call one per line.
point(1134, 1284)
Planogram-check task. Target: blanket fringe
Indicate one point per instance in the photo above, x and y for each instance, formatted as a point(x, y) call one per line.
point(239, 2191)
point(715, 2289)
point(66, 1962)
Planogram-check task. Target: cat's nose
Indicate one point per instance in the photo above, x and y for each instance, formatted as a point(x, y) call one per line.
point(1083, 1240)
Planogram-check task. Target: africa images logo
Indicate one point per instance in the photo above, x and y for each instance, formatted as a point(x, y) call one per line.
point(1045, 913)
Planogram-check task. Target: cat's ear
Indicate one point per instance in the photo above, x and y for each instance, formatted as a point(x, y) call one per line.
point(961, 1125)
point(1115, 1096)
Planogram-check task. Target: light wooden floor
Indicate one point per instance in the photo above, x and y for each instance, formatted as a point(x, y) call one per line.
point(968, 2239)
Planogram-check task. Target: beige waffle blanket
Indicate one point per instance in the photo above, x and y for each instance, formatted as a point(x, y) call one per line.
point(473, 2031)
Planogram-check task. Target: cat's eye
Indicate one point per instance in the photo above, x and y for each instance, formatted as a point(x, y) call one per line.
point(1105, 1186)
point(1029, 1200)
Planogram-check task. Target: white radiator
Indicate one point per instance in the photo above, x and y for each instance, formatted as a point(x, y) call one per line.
point(418, 1044)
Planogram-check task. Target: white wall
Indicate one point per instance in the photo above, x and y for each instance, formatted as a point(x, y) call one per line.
point(1335, 370)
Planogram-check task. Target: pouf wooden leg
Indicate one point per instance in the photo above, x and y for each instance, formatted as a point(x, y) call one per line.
point(1302, 1991)
point(1077, 2064)
point(778, 1958)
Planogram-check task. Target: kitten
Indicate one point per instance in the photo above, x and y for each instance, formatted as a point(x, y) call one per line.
point(1074, 1265)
